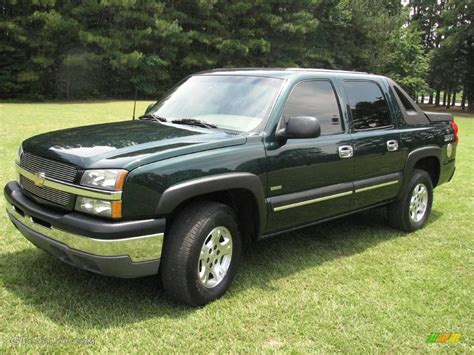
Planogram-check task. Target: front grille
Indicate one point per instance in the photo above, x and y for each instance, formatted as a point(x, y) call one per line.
point(58, 197)
point(52, 169)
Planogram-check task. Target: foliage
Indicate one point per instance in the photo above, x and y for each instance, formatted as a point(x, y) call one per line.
point(98, 48)
point(447, 33)
point(404, 61)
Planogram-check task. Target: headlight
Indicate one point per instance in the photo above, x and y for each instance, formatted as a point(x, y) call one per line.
point(110, 179)
point(20, 153)
point(104, 179)
point(18, 160)
point(97, 207)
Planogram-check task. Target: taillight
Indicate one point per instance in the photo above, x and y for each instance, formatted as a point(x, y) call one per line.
point(455, 130)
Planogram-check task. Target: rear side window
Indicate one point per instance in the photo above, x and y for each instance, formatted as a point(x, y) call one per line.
point(411, 113)
point(316, 99)
point(367, 104)
point(403, 99)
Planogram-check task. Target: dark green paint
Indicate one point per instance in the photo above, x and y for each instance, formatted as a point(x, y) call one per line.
point(159, 156)
point(126, 145)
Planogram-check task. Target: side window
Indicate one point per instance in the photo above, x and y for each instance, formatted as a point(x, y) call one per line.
point(317, 99)
point(367, 103)
point(403, 99)
point(410, 112)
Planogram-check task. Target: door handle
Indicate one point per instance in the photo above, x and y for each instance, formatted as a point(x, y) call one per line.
point(392, 145)
point(346, 151)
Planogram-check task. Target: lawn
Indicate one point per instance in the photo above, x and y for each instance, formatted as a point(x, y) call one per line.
point(353, 285)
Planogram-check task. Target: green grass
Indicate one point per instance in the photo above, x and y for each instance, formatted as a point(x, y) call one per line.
point(352, 285)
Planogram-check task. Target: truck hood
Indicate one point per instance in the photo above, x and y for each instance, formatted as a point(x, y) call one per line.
point(128, 144)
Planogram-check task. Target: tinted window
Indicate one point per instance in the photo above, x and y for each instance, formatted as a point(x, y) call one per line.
point(368, 106)
point(410, 112)
point(315, 99)
point(404, 100)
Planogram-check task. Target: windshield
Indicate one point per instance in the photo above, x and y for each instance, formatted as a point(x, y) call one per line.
point(233, 102)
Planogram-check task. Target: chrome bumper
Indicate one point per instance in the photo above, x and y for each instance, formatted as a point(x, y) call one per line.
point(138, 249)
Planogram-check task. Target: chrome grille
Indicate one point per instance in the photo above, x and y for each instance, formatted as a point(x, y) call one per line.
point(56, 196)
point(52, 169)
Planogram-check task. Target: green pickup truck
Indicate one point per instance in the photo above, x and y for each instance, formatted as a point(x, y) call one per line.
point(226, 158)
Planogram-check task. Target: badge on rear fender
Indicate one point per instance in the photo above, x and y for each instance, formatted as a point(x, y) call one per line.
point(449, 137)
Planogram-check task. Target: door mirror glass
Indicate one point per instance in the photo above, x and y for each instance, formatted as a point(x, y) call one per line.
point(299, 127)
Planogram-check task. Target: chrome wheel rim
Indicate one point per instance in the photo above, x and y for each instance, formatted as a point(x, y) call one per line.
point(215, 257)
point(418, 202)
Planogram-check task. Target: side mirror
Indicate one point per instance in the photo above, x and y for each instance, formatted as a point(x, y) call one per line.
point(148, 109)
point(299, 127)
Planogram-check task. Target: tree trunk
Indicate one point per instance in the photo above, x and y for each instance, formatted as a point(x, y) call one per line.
point(448, 101)
point(470, 101)
point(444, 98)
point(453, 103)
point(67, 82)
point(422, 98)
point(438, 93)
point(463, 99)
point(431, 98)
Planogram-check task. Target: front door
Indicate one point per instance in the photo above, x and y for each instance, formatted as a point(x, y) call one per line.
point(377, 157)
point(307, 178)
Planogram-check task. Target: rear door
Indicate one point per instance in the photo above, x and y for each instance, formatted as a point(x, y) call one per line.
point(307, 178)
point(376, 141)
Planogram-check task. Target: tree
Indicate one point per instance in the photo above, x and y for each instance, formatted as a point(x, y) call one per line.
point(405, 60)
point(110, 48)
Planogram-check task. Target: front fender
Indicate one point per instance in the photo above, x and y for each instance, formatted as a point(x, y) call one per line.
point(179, 193)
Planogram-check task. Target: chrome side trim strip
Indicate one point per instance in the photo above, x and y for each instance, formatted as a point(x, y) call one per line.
point(330, 197)
point(141, 248)
point(314, 200)
point(376, 186)
point(71, 188)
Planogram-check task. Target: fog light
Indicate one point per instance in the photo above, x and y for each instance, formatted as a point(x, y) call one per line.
point(99, 207)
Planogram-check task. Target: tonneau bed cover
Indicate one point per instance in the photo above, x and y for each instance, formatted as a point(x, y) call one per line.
point(439, 116)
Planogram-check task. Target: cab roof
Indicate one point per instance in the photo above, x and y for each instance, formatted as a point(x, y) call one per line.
point(282, 73)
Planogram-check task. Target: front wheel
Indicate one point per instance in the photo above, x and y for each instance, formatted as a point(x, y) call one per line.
point(201, 253)
point(412, 210)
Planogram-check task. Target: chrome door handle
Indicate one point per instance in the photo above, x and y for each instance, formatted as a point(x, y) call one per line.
point(392, 145)
point(346, 151)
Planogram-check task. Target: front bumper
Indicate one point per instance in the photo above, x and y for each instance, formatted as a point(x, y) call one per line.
point(122, 249)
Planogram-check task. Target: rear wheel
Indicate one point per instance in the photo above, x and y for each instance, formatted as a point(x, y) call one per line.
point(413, 209)
point(201, 253)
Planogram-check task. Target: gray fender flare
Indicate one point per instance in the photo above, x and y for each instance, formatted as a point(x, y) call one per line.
point(177, 194)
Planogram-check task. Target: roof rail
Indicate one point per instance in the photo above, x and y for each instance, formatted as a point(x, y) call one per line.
point(328, 70)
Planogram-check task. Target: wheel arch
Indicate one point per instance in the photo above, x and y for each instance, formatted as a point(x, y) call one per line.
point(424, 158)
point(242, 191)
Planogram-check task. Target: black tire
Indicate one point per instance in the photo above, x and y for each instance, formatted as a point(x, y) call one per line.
point(399, 211)
point(182, 250)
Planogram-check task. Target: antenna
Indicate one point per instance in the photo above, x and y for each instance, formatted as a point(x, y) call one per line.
point(134, 104)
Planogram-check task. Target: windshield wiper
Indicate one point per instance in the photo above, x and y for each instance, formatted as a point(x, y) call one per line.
point(152, 117)
point(194, 122)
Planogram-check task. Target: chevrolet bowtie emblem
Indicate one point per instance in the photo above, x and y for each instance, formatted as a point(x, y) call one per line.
point(39, 179)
